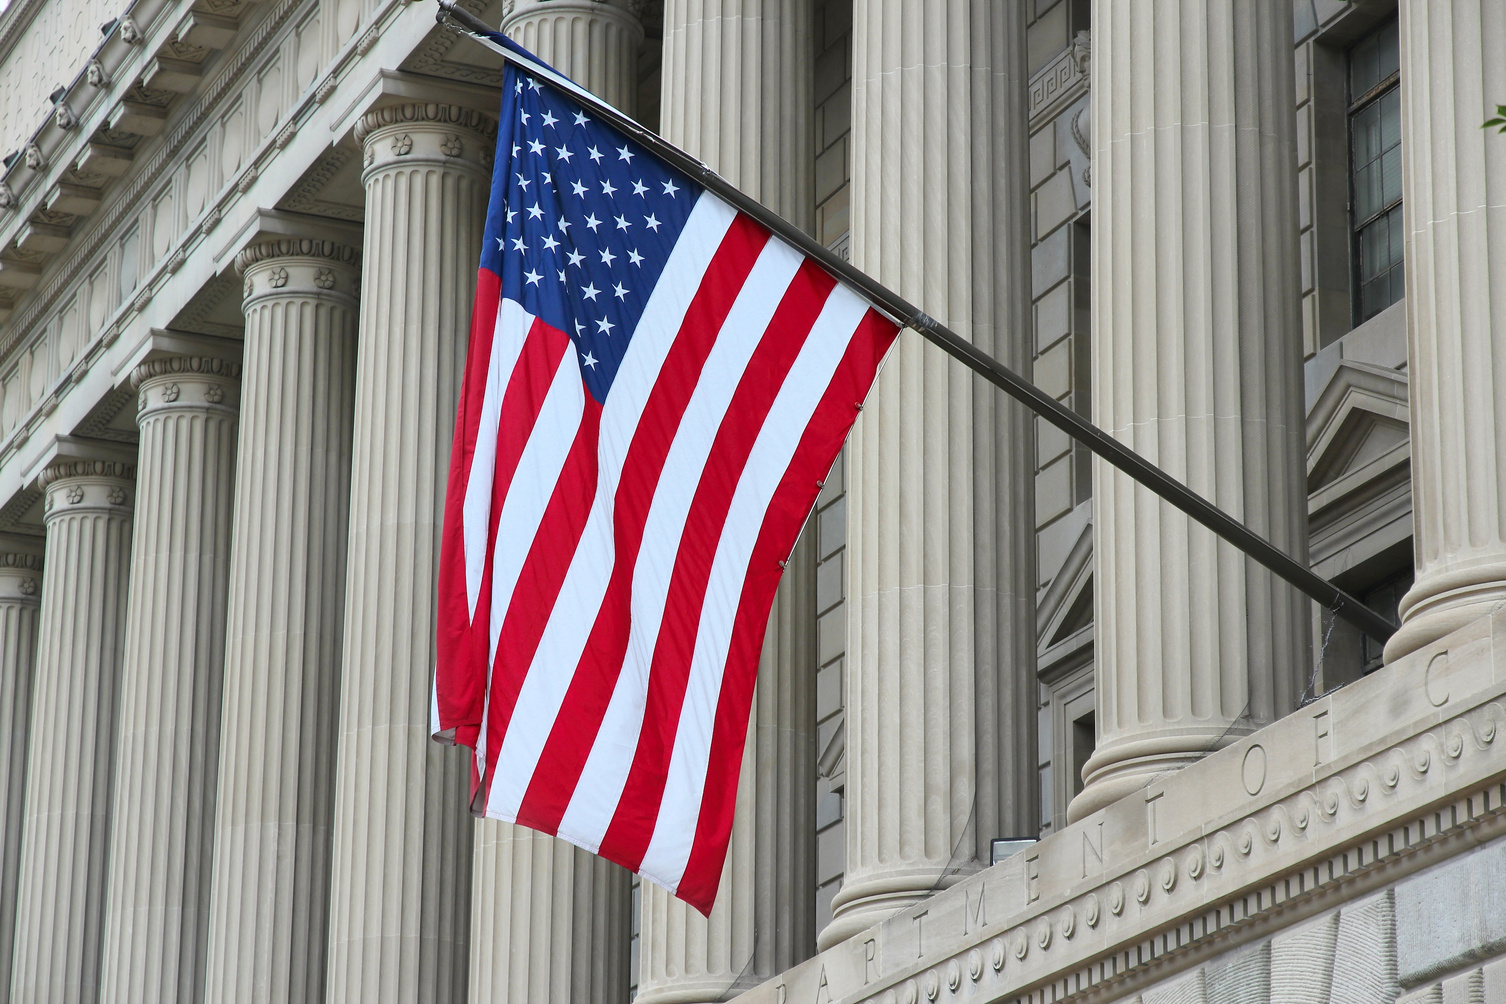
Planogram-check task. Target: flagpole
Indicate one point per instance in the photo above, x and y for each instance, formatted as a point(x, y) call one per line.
point(1341, 602)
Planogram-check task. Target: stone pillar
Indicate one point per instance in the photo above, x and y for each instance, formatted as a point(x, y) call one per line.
point(1454, 191)
point(157, 904)
point(401, 859)
point(940, 666)
point(20, 601)
point(764, 918)
point(563, 914)
point(593, 42)
point(269, 914)
point(60, 903)
point(1197, 365)
point(737, 93)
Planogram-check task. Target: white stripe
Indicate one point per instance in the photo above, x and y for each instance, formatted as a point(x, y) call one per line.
point(782, 431)
point(508, 336)
point(595, 799)
point(564, 636)
point(539, 467)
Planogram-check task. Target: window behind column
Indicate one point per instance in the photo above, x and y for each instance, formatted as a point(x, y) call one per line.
point(1375, 170)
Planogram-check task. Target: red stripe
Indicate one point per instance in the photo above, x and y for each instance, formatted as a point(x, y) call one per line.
point(790, 506)
point(554, 539)
point(585, 703)
point(460, 680)
point(632, 825)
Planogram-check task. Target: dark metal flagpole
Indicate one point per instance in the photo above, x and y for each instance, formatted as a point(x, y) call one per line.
point(1101, 443)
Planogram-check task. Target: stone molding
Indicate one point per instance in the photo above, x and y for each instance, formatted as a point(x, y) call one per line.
point(33, 562)
point(115, 469)
point(292, 247)
point(20, 578)
point(1404, 775)
point(87, 486)
point(430, 115)
point(185, 383)
point(295, 267)
point(185, 366)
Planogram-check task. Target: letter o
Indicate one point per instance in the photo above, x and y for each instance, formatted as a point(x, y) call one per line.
point(1427, 680)
point(1252, 770)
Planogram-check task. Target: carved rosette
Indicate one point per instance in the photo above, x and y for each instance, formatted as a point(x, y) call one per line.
point(79, 487)
point(411, 135)
point(21, 577)
point(185, 383)
point(297, 267)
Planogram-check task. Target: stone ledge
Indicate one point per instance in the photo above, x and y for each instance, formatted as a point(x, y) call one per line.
point(1398, 770)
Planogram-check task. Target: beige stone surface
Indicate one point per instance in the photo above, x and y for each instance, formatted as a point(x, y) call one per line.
point(940, 729)
point(401, 910)
point(1454, 190)
point(1196, 366)
point(269, 917)
point(593, 42)
point(167, 745)
point(60, 901)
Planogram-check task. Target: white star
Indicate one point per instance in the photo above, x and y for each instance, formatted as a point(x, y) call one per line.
point(619, 290)
point(500, 244)
point(534, 146)
point(564, 225)
point(532, 277)
point(549, 118)
point(622, 223)
point(519, 88)
point(652, 222)
point(635, 257)
point(590, 360)
point(564, 154)
point(577, 188)
point(639, 187)
point(575, 257)
point(524, 182)
point(515, 149)
point(525, 116)
point(562, 275)
point(670, 189)
point(605, 326)
point(594, 154)
point(533, 83)
point(607, 188)
point(580, 118)
point(623, 153)
point(548, 179)
point(535, 213)
point(592, 222)
point(590, 292)
point(511, 215)
point(607, 257)
point(518, 245)
point(579, 327)
point(550, 242)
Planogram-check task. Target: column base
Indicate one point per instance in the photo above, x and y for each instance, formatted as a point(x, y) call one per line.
point(865, 902)
point(1119, 769)
point(1443, 602)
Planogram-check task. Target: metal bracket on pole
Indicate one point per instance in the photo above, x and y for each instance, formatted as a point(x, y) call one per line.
point(902, 311)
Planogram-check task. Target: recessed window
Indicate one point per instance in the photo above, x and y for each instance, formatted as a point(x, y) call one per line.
point(1375, 171)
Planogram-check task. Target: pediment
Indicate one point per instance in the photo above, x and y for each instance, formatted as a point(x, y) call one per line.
point(1358, 426)
point(1066, 607)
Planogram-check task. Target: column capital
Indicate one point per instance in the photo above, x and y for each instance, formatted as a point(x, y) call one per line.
point(516, 10)
point(294, 266)
point(78, 486)
point(20, 574)
point(186, 383)
point(426, 132)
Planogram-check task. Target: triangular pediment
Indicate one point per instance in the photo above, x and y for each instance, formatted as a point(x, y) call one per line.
point(1357, 427)
point(1066, 607)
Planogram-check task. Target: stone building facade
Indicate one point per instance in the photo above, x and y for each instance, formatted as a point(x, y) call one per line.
point(1021, 732)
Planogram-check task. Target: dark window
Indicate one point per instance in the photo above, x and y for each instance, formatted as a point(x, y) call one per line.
point(1375, 171)
point(1384, 598)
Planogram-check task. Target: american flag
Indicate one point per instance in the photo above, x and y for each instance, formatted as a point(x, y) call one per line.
point(655, 388)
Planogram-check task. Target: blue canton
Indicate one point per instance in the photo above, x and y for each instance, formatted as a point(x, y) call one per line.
point(581, 222)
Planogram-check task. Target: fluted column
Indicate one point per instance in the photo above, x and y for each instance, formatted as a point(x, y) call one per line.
point(157, 905)
point(401, 859)
point(940, 727)
point(20, 601)
point(269, 914)
point(65, 839)
point(1196, 362)
point(593, 42)
point(737, 94)
point(764, 918)
point(1454, 198)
